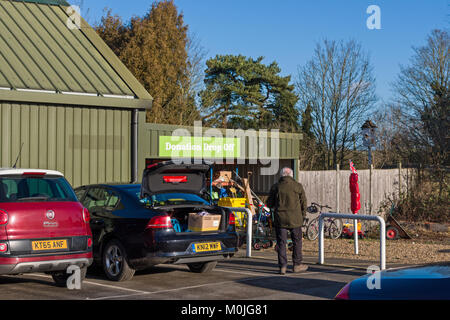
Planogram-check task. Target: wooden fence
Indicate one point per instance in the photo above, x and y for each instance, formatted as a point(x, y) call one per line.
point(375, 186)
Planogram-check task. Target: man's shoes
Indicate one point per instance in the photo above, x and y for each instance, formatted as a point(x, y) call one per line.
point(283, 270)
point(300, 268)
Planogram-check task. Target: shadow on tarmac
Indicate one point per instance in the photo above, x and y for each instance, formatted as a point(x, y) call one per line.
point(243, 265)
point(325, 289)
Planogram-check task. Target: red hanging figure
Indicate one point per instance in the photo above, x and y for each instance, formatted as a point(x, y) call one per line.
point(354, 190)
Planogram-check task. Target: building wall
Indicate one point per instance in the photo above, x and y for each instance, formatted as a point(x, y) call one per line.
point(88, 145)
point(289, 144)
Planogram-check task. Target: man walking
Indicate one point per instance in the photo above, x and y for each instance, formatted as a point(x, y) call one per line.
point(287, 199)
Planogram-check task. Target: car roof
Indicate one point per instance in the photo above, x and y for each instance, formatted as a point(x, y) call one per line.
point(20, 171)
point(123, 186)
point(113, 185)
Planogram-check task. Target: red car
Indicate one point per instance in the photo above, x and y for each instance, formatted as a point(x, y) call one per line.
point(43, 226)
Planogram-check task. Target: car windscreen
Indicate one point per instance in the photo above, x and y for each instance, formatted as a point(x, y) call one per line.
point(168, 198)
point(24, 188)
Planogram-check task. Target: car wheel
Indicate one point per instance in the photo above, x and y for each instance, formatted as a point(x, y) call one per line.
point(60, 277)
point(115, 264)
point(202, 267)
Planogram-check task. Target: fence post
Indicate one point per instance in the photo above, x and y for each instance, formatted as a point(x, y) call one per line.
point(338, 172)
point(399, 180)
point(370, 189)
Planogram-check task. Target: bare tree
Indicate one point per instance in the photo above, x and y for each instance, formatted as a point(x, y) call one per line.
point(422, 105)
point(193, 84)
point(196, 63)
point(339, 85)
point(422, 93)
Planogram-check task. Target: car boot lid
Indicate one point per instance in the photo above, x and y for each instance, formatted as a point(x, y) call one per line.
point(14, 171)
point(172, 176)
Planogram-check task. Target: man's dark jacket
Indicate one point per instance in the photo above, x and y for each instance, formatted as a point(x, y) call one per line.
point(287, 197)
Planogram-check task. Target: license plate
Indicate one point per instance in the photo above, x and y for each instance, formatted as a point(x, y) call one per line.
point(49, 245)
point(206, 246)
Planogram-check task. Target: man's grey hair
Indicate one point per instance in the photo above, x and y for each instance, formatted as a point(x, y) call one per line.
point(287, 172)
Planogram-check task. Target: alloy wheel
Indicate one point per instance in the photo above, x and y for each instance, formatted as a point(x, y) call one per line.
point(114, 260)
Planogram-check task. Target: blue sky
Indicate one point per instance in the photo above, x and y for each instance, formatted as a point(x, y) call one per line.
point(287, 30)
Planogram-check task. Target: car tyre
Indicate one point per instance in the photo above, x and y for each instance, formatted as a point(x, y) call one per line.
point(202, 267)
point(60, 277)
point(115, 262)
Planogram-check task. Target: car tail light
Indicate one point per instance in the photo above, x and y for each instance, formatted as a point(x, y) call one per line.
point(3, 217)
point(89, 242)
point(160, 222)
point(86, 215)
point(3, 247)
point(175, 179)
point(231, 219)
point(344, 293)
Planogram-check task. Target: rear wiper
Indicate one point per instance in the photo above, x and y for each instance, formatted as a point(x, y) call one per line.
point(57, 199)
point(33, 198)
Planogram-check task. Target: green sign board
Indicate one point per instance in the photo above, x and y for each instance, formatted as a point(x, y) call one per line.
point(199, 147)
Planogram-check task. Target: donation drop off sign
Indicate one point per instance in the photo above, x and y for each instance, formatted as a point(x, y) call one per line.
point(204, 147)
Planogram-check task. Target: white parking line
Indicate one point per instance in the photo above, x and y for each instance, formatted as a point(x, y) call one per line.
point(255, 276)
point(176, 289)
point(95, 284)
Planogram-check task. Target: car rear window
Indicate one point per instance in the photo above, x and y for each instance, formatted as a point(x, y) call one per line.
point(35, 188)
point(168, 198)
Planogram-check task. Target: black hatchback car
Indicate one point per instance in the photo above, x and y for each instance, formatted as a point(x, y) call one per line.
point(137, 226)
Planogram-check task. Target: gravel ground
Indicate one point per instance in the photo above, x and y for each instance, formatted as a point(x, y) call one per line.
point(399, 251)
point(424, 247)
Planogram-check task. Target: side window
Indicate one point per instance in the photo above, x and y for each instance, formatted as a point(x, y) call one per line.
point(80, 193)
point(96, 199)
point(113, 200)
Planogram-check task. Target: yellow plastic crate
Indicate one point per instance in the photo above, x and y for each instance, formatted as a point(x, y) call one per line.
point(232, 202)
point(241, 217)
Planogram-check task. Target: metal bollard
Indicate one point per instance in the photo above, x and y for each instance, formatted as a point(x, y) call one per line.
point(360, 217)
point(249, 228)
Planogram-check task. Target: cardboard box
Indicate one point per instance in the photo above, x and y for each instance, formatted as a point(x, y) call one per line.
point(209, 222)
point(226, 175)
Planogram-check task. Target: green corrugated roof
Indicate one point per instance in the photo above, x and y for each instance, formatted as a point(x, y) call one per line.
point(50, 2)
point(38, 51)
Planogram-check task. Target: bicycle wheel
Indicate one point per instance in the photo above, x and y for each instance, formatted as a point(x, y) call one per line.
point(335, 228)
point(312, 231)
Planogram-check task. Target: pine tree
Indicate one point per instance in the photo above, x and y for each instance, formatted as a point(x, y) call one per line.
point(242, 92)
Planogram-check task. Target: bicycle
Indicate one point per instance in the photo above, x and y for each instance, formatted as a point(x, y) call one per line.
point(332, 226)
